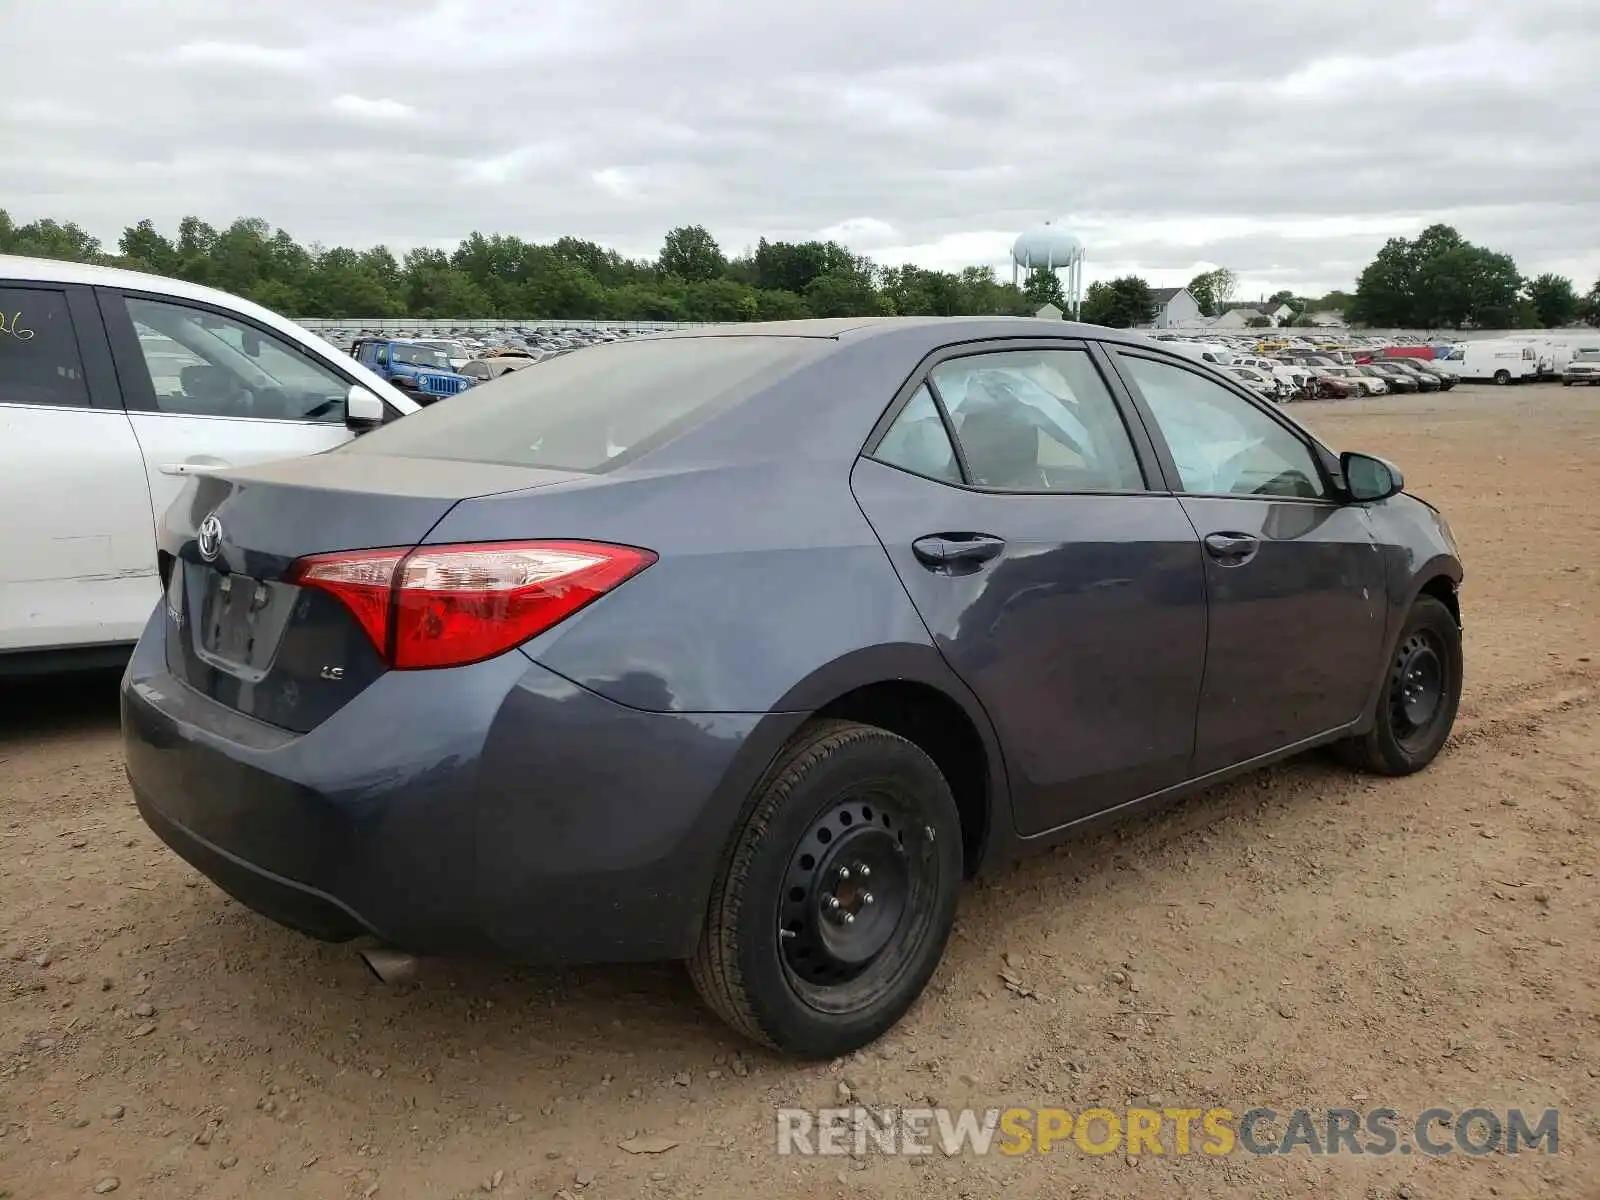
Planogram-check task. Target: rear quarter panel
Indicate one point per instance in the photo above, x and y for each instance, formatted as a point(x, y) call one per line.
point(770, 584)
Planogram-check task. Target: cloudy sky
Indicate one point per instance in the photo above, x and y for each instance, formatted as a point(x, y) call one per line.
point(1286, 140)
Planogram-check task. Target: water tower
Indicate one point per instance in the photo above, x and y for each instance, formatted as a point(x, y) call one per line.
point(1051, 247)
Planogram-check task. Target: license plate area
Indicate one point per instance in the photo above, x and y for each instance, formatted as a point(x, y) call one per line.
point(240, 622)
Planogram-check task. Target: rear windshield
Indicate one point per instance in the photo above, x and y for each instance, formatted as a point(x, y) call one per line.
point(592, 409)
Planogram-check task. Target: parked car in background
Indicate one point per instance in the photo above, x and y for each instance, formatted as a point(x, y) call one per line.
point(482, 370)
point(1429, 379)
point(745, 645)
point(456, 352)
point(1368, 385)
point(1398, 380)
point(1582, 368)
point(116, 389)
point(421, 372)
point(1325, 385)
point(1257, 381)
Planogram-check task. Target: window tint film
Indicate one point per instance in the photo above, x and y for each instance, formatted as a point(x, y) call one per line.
point(917, 441)
point(1038, 420)
point(1220, 442)
point(586, 410)
point(39, 361)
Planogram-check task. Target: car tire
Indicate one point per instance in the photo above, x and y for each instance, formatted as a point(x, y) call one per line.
point(1502, 377)
point(777, 959)
point(1420, 694)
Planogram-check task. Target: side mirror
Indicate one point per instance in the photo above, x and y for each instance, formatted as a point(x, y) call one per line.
point(362, 410)
point(1368, 478)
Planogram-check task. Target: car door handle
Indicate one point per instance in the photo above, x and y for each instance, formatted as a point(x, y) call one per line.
point(1232, 549)
point(947, 551)
point(192, 466)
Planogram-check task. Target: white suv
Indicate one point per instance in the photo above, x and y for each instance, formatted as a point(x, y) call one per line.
point(114, 387)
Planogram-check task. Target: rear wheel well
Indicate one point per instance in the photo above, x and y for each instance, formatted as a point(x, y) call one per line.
point(939, 727)
point(1443, 589)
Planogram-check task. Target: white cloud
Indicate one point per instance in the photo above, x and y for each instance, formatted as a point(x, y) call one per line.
point(242, 54)
point(1287, 145)
point(362, 109)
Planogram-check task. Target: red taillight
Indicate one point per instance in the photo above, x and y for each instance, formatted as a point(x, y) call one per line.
point(446, 606)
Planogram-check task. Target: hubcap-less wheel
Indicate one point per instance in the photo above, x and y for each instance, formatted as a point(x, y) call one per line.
point(1416, 689)
point(857, 895)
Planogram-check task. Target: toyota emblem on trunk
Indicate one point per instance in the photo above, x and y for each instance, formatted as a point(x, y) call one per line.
point(210, 538)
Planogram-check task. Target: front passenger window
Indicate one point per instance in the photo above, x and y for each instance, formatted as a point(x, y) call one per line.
point(204, 364)
point(1221, 443)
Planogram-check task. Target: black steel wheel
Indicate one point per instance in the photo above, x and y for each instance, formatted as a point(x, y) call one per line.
point(1420, 693)
point(836, 901)
point(1416, 688)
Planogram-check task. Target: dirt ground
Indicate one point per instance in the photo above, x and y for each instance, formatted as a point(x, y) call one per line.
point(1303, 938)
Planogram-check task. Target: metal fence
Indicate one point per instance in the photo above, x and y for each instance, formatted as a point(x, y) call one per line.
point(446, 328)
point(412, 326)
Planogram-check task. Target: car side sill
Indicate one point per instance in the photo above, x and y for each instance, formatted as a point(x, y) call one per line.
point(97, 656)
point(1200, 783)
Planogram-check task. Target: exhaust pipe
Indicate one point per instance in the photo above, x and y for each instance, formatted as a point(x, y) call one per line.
point(390, 966)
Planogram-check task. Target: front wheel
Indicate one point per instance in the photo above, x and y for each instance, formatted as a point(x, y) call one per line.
point(836, 900)
point(1420, 694)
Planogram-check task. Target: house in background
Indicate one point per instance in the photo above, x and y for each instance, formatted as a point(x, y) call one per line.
point(1239, 316)
point(1175, 307)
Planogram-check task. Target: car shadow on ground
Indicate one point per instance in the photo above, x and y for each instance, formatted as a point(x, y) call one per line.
point(477, 1014)
point(32, 707)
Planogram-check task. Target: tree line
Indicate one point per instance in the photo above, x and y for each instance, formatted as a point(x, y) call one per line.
point(1436, 280)
point(499, 276)
point(491, 276)
point(1439, 280)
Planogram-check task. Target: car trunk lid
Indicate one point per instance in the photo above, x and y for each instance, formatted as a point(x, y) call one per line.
point(239, 629)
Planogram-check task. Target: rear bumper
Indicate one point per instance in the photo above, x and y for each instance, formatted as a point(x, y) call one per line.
point(497, 809)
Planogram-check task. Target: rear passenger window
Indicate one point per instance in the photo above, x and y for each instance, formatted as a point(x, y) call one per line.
point(917, 441)
point(39, 361)
point(1038, 421)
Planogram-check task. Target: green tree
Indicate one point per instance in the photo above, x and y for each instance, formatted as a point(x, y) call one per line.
point(147, 249)
point(690, 252)
point(1437, 280)
point(1590, 311)
point(1119, 303)
point(1554, 299)
point(1043, 286)
point(48, 239)
point(845, 293)
point(1213, 289)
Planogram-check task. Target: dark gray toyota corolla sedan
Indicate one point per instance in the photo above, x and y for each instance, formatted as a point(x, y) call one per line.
point(744, 645)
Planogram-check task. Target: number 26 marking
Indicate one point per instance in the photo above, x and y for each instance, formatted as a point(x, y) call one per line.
point(15, 328)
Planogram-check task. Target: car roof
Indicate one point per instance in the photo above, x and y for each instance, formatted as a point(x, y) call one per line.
point(54, 270)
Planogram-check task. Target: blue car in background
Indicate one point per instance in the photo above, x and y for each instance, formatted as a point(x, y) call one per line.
point(423, 372)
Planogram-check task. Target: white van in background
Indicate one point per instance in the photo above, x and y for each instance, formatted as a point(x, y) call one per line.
point(1500, 360)
point(1211, 352)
